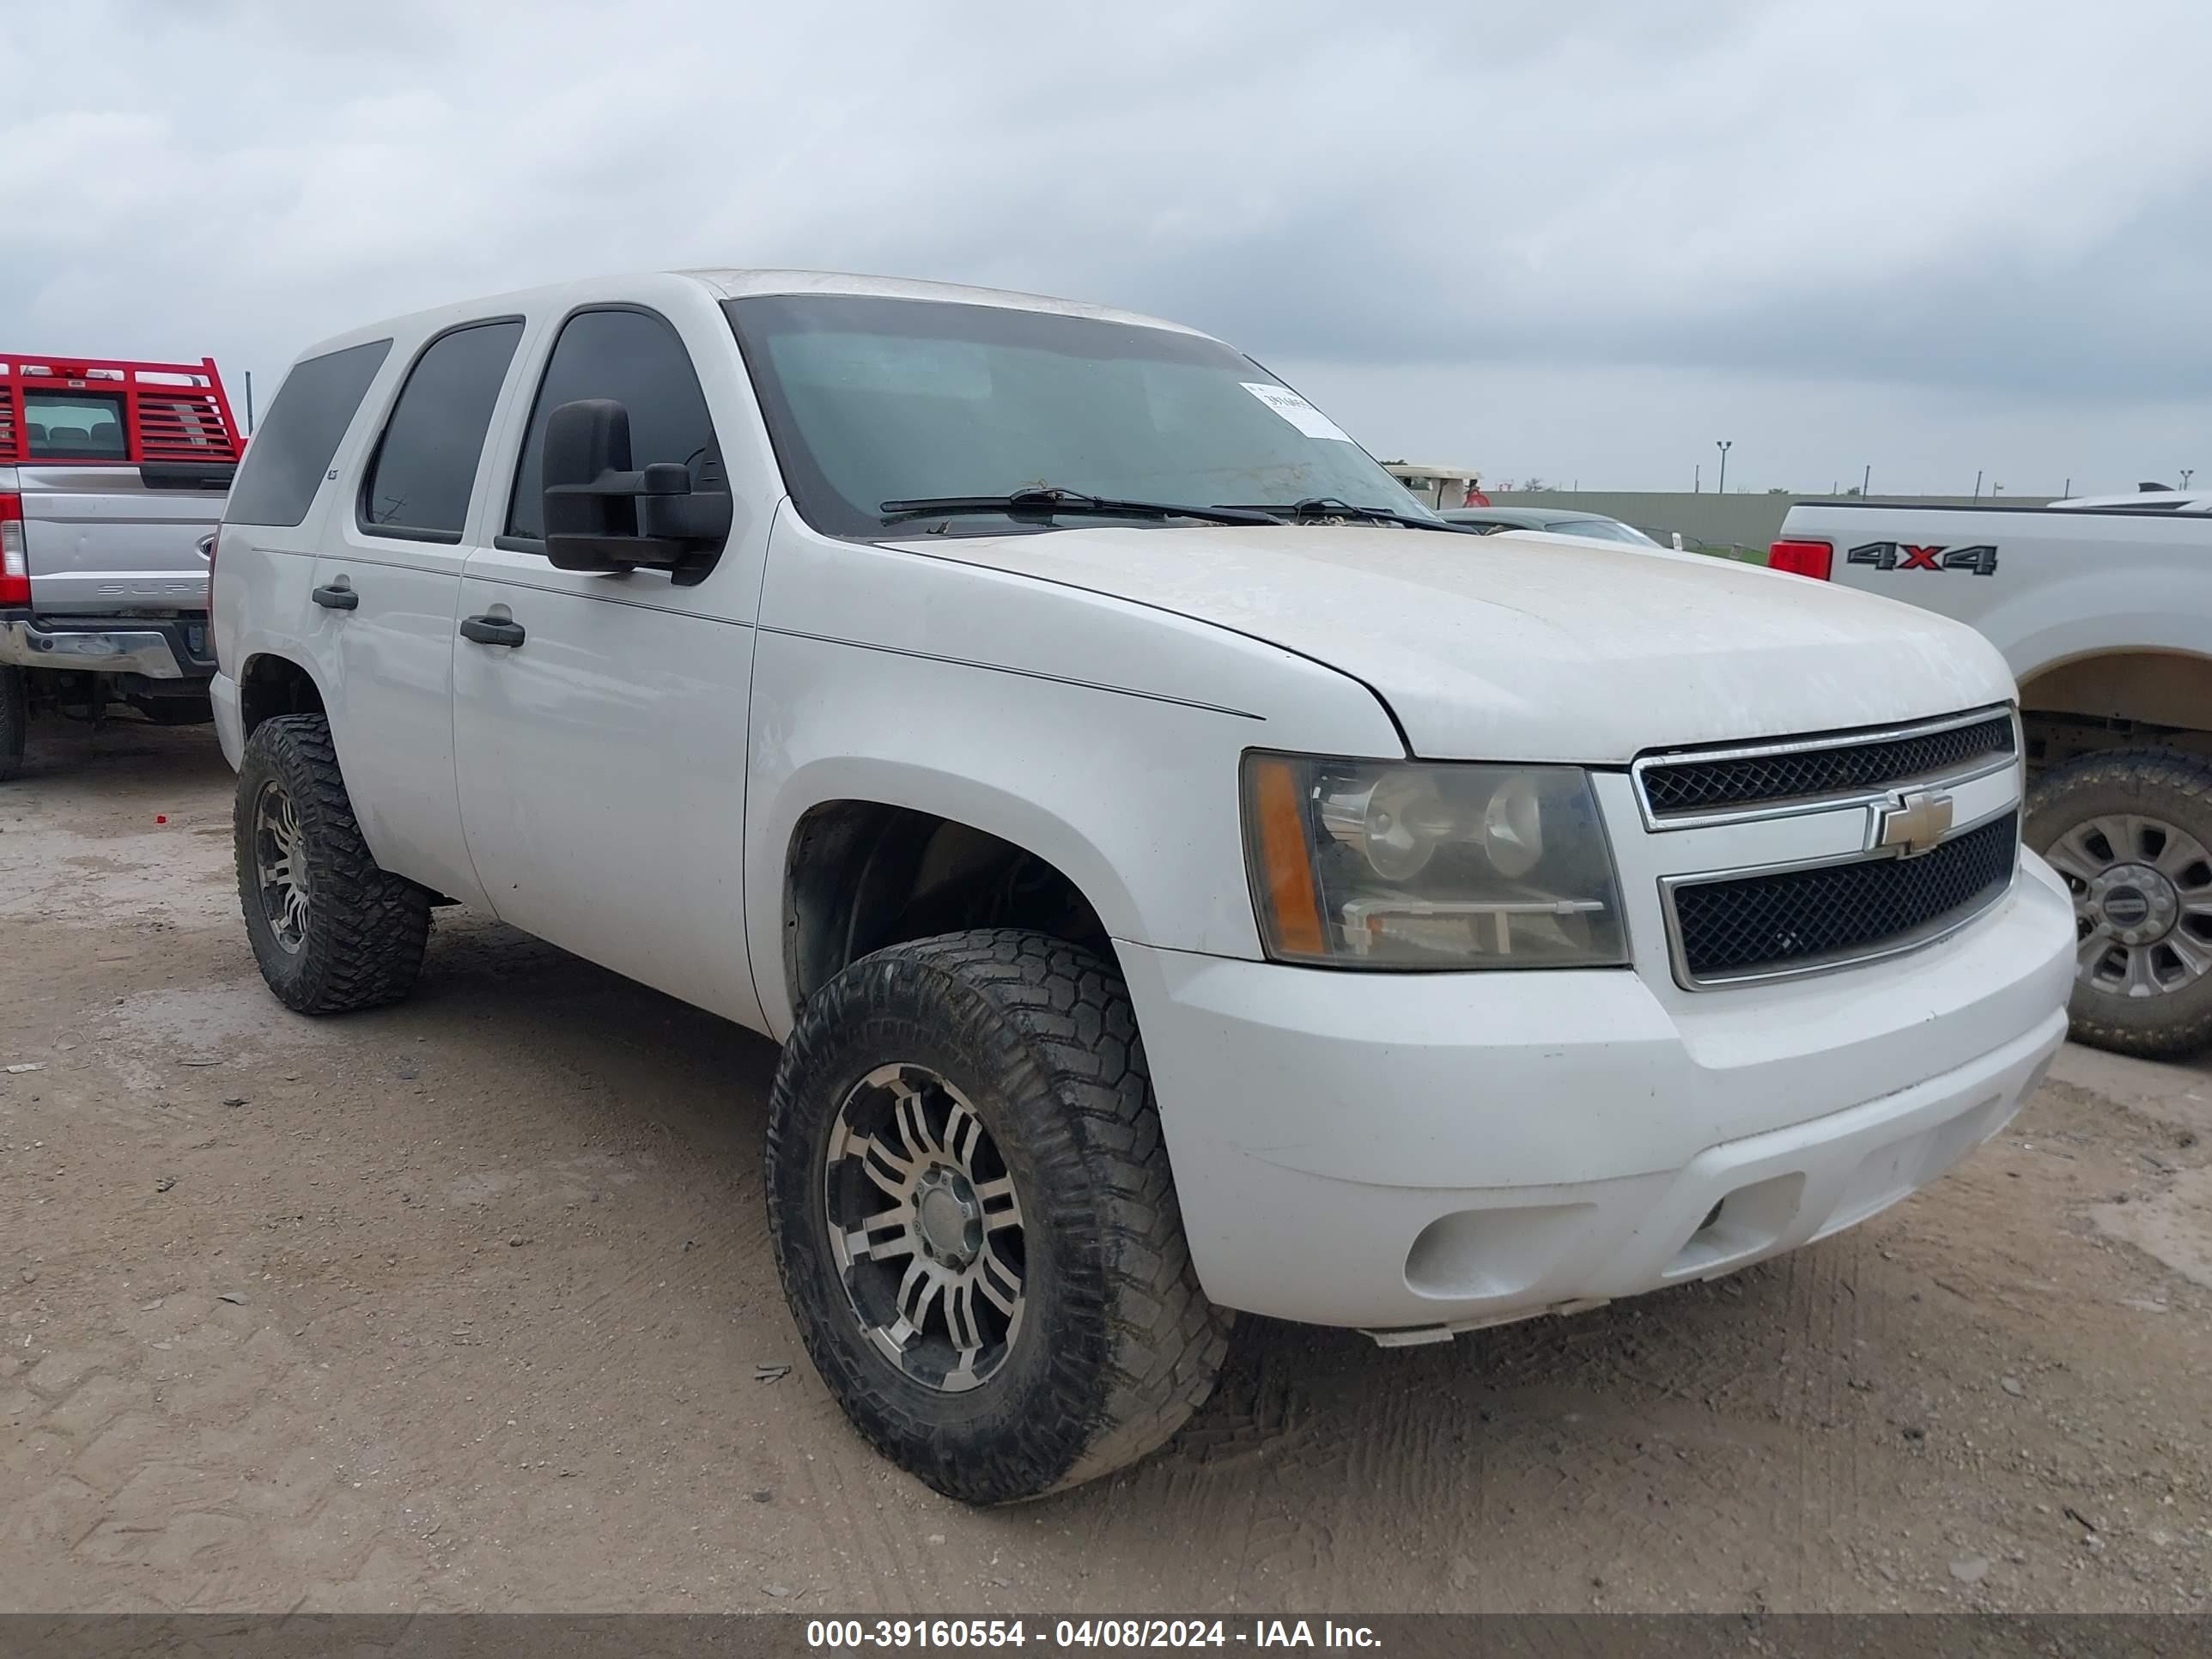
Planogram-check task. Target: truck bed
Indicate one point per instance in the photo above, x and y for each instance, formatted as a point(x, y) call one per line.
point(2046, 585)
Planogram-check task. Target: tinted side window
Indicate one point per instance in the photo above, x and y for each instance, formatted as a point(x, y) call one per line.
point(425, 465)
point(638, 360)
point(285, 462)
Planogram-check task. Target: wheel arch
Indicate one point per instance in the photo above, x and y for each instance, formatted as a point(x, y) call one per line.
point(2100, 699)
point(271, 683)
point(2152, 685)
point(861, 871)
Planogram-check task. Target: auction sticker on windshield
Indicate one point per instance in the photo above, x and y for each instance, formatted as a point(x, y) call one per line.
point(1297, 410)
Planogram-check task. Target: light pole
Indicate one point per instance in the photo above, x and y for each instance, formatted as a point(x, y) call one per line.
point(2187, 473)
point(1723, 445)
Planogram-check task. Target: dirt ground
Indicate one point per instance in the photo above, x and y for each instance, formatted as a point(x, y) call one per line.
point(462, 1305)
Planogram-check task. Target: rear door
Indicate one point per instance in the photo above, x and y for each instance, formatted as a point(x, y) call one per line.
point(386, 585)
point(602, 756)
point(283, 495)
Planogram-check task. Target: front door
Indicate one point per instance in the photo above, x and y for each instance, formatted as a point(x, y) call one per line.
point(600, 720)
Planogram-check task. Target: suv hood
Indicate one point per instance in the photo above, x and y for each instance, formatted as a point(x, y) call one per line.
point(1511, 647)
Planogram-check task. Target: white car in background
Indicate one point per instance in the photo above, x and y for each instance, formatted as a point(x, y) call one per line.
point(1551, 520)
point(2147, 498)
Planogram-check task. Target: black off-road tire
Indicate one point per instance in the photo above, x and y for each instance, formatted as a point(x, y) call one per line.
point(366, 930)
point(2161, 783)
point(1118, 1346)
point(15, 721)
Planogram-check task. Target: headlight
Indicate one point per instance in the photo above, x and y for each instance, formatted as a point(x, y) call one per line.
point(1398, 864)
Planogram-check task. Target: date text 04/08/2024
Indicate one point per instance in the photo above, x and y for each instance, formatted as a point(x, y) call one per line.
point(836, 1635)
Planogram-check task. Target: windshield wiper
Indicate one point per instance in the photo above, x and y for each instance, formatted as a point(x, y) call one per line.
point(1051, 502)
point(1315, 508)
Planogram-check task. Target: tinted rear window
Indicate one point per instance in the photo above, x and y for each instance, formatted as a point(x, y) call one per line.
point(285, 463)
point(426, 463)
point(74, 425)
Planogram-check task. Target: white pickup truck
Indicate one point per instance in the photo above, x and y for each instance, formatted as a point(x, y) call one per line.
point(112, 480)
point(1185, 875)
point(2102, 609)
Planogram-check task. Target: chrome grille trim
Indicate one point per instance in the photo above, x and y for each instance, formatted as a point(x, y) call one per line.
point(1791, 807)
point(1894, 945)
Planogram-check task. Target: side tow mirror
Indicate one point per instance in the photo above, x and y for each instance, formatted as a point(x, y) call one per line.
point(602, 515)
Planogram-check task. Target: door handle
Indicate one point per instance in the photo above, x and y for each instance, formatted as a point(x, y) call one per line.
point(332, 597)
point(491, 630)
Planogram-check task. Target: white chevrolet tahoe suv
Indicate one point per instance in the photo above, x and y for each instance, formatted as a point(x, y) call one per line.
point(1184, 874)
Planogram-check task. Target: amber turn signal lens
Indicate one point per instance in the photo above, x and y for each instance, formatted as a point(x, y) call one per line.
point(1285, 863)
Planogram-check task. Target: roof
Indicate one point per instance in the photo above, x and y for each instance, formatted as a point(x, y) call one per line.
point(727, 284)
point(736, 284)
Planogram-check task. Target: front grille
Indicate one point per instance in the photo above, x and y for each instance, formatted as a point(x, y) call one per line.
point(1809, 918)
point(1726, 784)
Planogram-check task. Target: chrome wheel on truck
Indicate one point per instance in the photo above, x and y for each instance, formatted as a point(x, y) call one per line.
point(973, 1220)
point(2142, 902)
point(925, 1227)
point(2131, 834)
point(279, 865)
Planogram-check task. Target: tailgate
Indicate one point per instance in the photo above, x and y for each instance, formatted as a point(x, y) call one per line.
point(102, 540)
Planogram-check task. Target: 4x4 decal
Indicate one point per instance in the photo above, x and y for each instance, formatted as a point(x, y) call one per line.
point(1981, 559)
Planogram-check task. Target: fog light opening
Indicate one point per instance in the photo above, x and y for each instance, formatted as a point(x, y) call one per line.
point(1747, 1222)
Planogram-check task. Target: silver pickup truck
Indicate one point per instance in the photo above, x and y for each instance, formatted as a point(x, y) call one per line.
point(112, 477)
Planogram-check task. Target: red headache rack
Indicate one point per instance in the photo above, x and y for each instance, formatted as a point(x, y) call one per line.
point(90, 412)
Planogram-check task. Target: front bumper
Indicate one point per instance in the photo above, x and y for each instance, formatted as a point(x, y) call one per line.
point(1414, 1154)
point(157, 648)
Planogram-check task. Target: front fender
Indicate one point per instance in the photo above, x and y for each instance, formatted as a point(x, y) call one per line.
point(1134, 799)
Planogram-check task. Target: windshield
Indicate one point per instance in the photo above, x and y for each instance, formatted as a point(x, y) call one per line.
point(872, 400)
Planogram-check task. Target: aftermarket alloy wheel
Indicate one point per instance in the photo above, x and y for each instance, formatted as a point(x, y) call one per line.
point(973, 1220)
point(331, 929)
point(2131, 834)
point(281, 877)
point(925, 1226)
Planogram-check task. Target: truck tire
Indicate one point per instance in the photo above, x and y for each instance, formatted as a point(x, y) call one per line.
point(2130, 830)
point(332, 931)
point(15, 721)
point(974, 1220)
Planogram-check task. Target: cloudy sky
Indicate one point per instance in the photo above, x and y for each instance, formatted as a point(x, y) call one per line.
point(1580, 240)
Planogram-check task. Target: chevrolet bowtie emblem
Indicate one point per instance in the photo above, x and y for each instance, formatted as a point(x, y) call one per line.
point(1913, 824)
